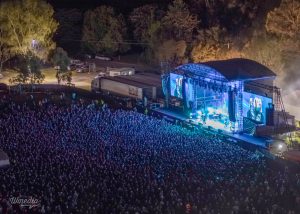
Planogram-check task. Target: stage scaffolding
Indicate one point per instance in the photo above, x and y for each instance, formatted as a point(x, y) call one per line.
point(248, 110)
point(207, 79)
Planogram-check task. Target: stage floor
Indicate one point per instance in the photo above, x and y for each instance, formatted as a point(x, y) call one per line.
point(172, 116)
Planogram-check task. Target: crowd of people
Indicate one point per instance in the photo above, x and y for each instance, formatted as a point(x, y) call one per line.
point(90, 159)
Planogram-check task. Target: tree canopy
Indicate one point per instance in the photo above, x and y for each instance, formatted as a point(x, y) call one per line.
point(284, 21)
point(179, 22)
point(6, 49)
point(69, 31)
point(29, 70)
point(172, 51)
point(201, 30)
point(104, 31)
point(61, 61)
point(142, 18)
point(31, 26)
point(266, 50)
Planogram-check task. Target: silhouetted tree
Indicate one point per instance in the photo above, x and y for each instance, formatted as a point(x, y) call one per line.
point(69, 32)
point(29, 70)
point(6, 50)
point(142, 18)
point(61, 60)
point(233, 15)
point(147, 29)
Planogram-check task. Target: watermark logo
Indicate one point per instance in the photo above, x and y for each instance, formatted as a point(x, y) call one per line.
point(24, 201)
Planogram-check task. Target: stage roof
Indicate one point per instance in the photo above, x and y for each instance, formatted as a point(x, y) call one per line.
point(142, 80)
point(228, 70)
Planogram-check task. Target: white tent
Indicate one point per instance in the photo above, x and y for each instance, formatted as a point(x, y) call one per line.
point(4, 160)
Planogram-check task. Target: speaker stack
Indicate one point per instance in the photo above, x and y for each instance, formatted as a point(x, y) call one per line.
point(270, 115)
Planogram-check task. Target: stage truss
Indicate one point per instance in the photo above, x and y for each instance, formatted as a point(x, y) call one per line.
point(207, 80)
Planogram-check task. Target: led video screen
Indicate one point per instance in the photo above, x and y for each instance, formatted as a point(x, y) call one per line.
point(254, 106)
point(176, 85)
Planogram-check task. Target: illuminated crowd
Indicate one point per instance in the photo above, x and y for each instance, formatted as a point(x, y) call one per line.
point(90, 159)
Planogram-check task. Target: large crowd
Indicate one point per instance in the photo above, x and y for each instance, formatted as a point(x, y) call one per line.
point(91, 159)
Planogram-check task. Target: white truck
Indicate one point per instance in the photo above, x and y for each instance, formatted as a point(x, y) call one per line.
point(110, 72)
point(126, 71)
point(118, 86)
point(136, 86)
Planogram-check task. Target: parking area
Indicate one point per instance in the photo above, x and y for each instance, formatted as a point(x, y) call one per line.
point(82, 79)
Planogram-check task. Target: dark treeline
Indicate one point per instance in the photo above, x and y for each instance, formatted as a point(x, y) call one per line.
point(124, 7)
point(156, 26)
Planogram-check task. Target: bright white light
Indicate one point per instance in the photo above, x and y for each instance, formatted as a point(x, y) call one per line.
point(33, 43)
point(219, 111)
point(280, 146)
point(210, 110)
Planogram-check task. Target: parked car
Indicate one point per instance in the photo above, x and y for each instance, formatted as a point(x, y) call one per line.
point(124, 71)
point(72, 67)
point(83, 69)
point(69, 68)
point(100, 74)
point(89, 56)
point(104, 58)
point(76, 62)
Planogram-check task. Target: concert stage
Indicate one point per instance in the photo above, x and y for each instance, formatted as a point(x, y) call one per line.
point(235, 96)
point(181, 119)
